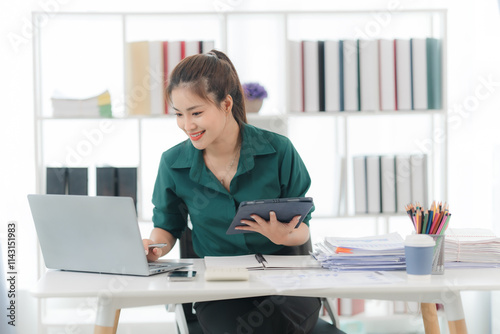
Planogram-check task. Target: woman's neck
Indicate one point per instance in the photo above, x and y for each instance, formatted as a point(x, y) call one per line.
point(228, 143)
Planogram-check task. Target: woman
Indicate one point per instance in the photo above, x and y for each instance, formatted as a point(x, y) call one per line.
point(226, 161)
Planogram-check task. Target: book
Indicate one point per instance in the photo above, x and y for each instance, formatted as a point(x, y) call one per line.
point(117, 181)
point(332, 76)
point(156, 77)
point(419, 185)
point(388, 183)
point(191, 48)
point(321, 75)
point(373, 189)
point(419, 73)
point(67, 180)
point(207, 46)
point(368, 73)
point(174, 56)
point(339, 186)
point(311, 76)
point(350, 84)
point(165, 74)
point(126, 182)
point(138, 97)
point(77, 181)
point(56, 180)
point(295, 76)
point(403, 182)
point(105, 181)
point(403, 74)
point(360, 191)
point(387, 74)
point(434, 73)
point(262, 262)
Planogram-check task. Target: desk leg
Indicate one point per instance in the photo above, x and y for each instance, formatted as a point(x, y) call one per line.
point(430, 318)
point(103, 329)
point(457, 327)
point(455, 314)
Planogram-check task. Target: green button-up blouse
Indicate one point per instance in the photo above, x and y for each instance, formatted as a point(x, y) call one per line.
point(268, 167)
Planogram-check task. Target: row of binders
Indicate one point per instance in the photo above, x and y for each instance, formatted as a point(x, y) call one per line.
point(386, 184)
point(383, 252)
point(110, 181)
point(147, 67)
point(366, 75)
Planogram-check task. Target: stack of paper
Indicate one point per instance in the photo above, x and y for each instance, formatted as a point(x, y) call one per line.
point(471, 247)
point(383, 252)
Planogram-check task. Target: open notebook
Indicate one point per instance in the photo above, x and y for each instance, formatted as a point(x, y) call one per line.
point(261, 262)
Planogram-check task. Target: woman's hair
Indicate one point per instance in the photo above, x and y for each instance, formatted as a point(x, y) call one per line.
point(210, 76)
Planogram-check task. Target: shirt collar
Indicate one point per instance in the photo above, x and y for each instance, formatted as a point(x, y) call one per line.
point(254, 143)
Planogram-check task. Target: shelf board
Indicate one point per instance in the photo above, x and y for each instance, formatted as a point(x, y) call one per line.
point(270, 116)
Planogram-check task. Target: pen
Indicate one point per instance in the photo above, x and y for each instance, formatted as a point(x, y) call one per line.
point(260, 258)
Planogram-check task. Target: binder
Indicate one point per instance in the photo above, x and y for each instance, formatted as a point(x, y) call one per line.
point(403, 74)
point(403, 182)
point(311, 76)
point(77, 181)
point(360, 193)
point(332, 76)
point(388, 183)
point(368, 73)
point(351, 84)
point(373, 189)
point(55, 180)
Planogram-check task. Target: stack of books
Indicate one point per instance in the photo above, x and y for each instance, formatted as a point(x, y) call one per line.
point(147, 68)
point(471, 247)
point(383, 252)
point(93, 106)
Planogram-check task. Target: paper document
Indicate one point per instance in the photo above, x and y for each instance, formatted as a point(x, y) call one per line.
point(377, 242)
point(252, 262)
point(325, 279)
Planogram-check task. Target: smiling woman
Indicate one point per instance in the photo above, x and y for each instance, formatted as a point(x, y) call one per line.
point(226, 161)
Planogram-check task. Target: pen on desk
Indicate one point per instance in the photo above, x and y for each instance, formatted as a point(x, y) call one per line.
point(260, 258)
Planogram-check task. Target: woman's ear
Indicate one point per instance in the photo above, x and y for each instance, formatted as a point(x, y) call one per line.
point(227, 104)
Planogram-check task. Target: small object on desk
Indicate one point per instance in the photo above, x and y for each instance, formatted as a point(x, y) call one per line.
point(157, 245)
point(226, 274)
point(181, 275)
point(419, 251)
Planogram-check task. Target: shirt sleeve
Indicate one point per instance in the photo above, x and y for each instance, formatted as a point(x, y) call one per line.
point(295, 180)
point(170, 211)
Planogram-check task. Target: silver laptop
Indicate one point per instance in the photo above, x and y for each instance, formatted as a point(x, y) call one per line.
point(92, 234)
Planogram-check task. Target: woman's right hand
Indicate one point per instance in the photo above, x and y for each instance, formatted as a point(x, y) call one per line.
point(152, 254)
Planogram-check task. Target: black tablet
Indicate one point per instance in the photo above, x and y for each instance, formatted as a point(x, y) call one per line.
point(285, 209)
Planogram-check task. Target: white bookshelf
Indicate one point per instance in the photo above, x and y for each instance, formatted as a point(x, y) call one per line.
point(91, 48)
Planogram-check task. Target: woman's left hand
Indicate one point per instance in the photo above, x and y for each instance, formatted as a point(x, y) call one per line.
point(276, 231)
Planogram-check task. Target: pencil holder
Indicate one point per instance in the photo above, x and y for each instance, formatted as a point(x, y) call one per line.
point(438, 256)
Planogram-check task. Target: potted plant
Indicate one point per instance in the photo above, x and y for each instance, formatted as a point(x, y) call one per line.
point(254, 96)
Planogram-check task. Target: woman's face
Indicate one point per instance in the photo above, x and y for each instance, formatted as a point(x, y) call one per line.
point(201, 120)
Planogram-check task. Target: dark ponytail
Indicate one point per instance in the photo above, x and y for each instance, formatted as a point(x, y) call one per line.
point(211, 73)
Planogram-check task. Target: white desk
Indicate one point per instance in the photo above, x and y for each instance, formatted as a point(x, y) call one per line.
point(115, 292)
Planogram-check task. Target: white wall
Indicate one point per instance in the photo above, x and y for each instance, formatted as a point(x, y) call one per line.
point(473, 53)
